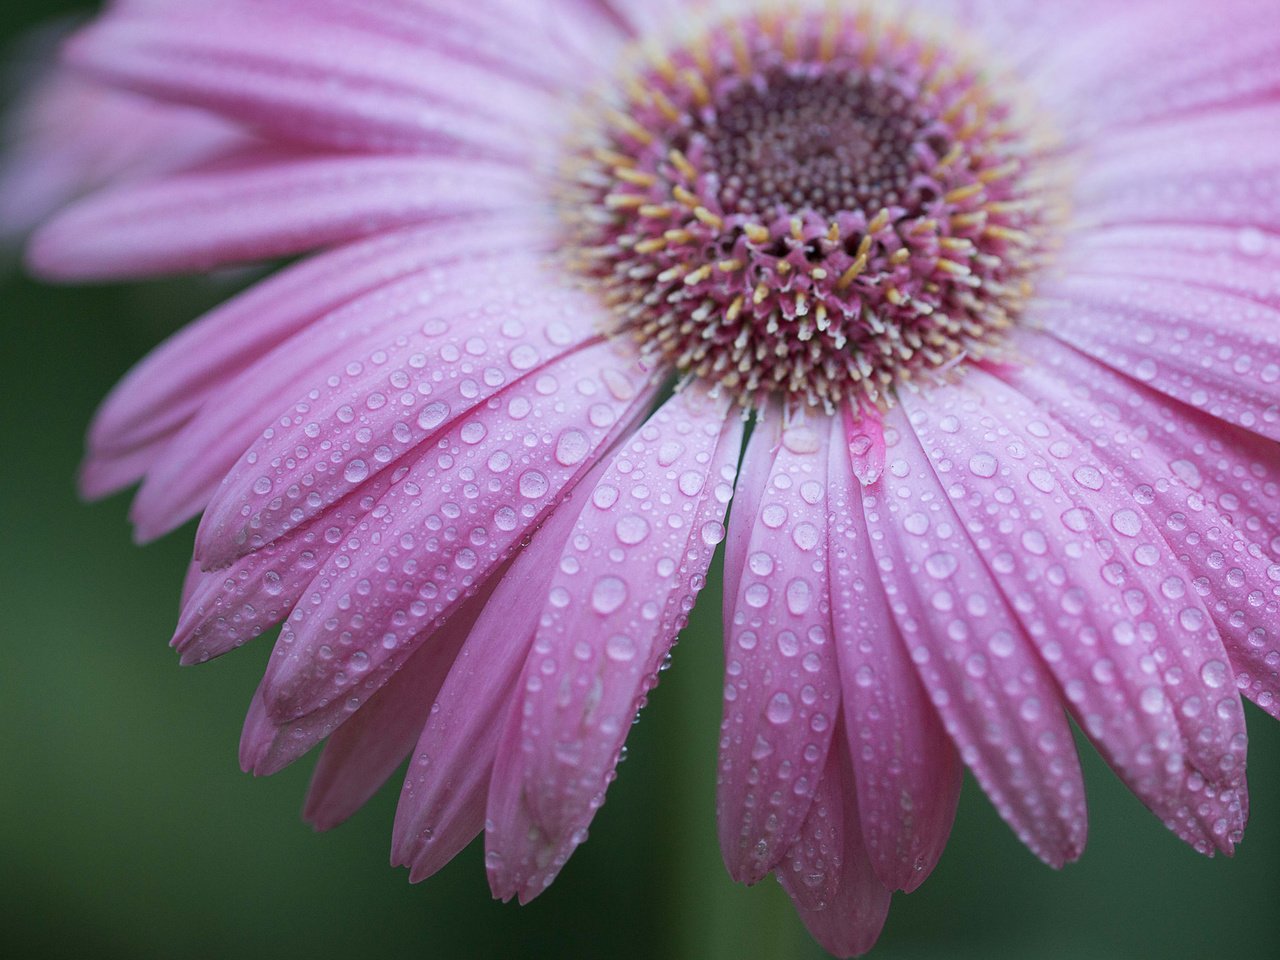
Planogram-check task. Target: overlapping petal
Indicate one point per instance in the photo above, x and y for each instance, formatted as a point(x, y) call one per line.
point(997, 699)
point(781, 690)
point(621, 591)
point(905, 770)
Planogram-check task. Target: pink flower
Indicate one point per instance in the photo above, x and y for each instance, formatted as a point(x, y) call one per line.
point(996, 280)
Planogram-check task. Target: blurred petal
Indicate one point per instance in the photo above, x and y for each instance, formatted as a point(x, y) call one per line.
point(266, 204)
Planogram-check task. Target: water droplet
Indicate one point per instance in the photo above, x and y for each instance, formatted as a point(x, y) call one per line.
point(805, 536)
point(1089, 477)
point(533, 484)
point(983, 465)
point(608, 595)
point(632, 529)
point(572, 447)
point(1152, 700)
point(941, 565)
point(1252, 242)
point(1214, 674)
point(780, 709)
point(620, 648)
point(432, 415)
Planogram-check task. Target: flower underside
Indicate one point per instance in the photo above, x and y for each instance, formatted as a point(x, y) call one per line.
point(816, 206)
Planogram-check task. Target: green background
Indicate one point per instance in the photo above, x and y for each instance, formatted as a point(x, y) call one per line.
point(127, 829)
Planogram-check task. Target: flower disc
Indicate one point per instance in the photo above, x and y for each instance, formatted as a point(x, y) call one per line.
point(816, 206)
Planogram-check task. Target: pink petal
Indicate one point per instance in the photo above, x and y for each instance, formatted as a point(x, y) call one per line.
point(463, 334)
point(1085, 574)
point(781, 693)
point(404, 356)
point(268, 204)
point(515, 38)
point(1138, 63)
point(1204, 487)
point(997, 701)
point(226, 608)
point(301, 77)
point(163, 392)
point(1218, 168)
point(443, 801)
point(1240, 261)
point(363, 752)
point(456, 516)
point(848, 922)
point(907, 773)
point(811, 870)
point(1204, 348)
point(65, 142)
point(647, 537)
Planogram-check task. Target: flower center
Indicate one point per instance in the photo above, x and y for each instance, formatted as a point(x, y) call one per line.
point(818, 206)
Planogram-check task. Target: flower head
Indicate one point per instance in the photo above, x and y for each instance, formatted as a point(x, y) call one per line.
point(988, 289)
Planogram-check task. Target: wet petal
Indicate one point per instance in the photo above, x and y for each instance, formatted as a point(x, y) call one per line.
point(453, 518)
point(907, 773)
point(781, 691)
point(195, 367)
point(621, 592)
point(1217, 352)
point(469, 333)
point(297, 75)
point(997, 700)
point(1083, 570)
point(849, 921)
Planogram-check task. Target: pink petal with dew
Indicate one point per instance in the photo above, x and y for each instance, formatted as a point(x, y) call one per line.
point(271, 203)
point(847, 922)
point(237, 603)
point(1217, 352)
point(366, 750)
point(171, 385)
point(226, 608)
point(1210, 498)
point(1243, 261)
point(1147, 62)
point(647, 17)
point(455, 516)
point(404, 356)
point(443, 801)
point(318, 80)
point(1221, 168)
point(810, 871)
point(1083, 571)
point(620, 594)
point(906, 770)
point(781, 689)
point(997, 700)
point(309, 689)
point(474, 330)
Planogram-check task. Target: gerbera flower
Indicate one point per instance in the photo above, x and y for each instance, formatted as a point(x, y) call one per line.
point(991, 287)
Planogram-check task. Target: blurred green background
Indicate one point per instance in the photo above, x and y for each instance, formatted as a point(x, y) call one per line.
point(127, 829)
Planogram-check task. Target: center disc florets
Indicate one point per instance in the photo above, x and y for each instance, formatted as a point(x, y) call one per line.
point(812, 205)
